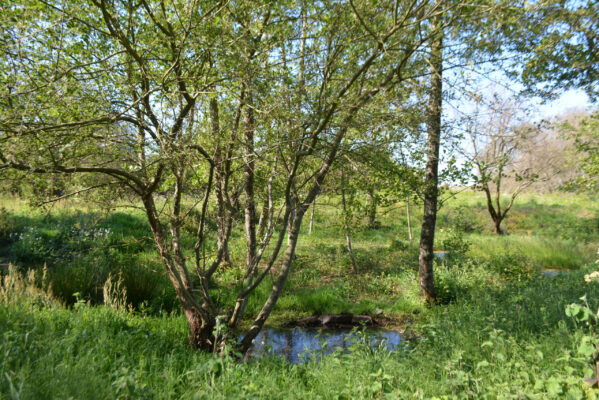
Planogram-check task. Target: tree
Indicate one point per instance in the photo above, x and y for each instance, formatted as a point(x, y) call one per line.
point(550, 154)
point(558, 46)
point(498, 137)
point(182, 104)
point(347, 222)
point(461, 35)
point(586, 148)
point(429, 218)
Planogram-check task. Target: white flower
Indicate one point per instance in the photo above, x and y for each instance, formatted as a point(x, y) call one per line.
point(592, 277)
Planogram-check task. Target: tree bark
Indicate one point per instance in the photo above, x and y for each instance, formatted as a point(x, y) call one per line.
point(200, 318)
point(278, 285)
point(248, 174)
point(410, 236)
point(347, 224)
point(220, 187)
point(263, 218)
point(371, 208)
point(311, 227)
point(497, 225)
point(249, 211)
point(429, 220)
point(291, 219)
point(268, 208)
point(496, 215)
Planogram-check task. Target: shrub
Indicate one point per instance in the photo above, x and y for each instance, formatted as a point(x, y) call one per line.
point(512, 266)
point(456, 245)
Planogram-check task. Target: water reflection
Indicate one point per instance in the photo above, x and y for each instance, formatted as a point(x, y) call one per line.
point(300, 345)
point(550, 273)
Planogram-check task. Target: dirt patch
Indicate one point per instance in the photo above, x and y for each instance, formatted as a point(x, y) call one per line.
point(336, 322)
point(585, 214)
point(333, 321)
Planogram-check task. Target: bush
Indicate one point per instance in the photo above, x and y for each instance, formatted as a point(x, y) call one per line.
point(512, 266)
point(398, 245)
point(456, 245)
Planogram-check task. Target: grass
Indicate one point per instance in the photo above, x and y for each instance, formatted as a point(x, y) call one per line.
point(504, 341)
point(500, 332)
point(540, 252)
point(82, 247)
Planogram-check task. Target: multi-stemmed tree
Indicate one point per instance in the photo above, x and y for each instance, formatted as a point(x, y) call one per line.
point(498, 137)
point(227, 109)
point(201, 104)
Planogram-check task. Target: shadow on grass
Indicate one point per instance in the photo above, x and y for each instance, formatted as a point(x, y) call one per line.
point(80, 251)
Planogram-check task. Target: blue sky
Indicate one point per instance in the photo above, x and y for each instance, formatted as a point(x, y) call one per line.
point(572, 99)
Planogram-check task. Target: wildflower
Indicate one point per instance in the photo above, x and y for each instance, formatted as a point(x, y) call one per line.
point(592, 277)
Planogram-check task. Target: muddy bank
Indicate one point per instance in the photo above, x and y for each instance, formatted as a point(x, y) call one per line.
point(335, 321)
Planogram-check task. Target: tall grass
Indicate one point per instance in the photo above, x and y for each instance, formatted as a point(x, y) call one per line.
point(499, 332)
point(82, 247)
point(498, 342)
point(541, 253)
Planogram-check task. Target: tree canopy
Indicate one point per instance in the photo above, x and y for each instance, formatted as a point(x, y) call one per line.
point(238, 112)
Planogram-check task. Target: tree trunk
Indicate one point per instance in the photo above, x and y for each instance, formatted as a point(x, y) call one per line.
point(371, 208)
point(291, 219)
point(298, 214)
point(311, 227)
point(263, 218)
point(201, 333)
point(279, 283)
point(268, 210)
point(248, 175)
point(347, 225)
point(200, 318)
point(496, 216)
point(220, 187)
point(429, 220)
point(249, 208)
point(410, 236)
point(497, 225)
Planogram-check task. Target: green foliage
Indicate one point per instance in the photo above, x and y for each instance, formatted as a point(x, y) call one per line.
point(322, 263)
point(455, 244)
point(513, 267)
point(556, 36)
point(585, 315)
point(82, 249)
point(398, 245)
point(460, 219)
point(494, 334)
point(586, 144)
point(496, 342)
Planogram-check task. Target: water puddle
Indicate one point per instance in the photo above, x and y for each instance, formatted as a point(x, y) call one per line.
point(301, 345)
point(550, 273)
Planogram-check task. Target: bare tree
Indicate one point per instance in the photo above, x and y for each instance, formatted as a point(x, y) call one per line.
point(500, 141)
point(550, 154)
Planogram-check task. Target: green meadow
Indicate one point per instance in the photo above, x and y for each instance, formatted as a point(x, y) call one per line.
point(500, 329)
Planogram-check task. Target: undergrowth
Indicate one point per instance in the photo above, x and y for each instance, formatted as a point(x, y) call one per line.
point(504, 341)
point(499, 330)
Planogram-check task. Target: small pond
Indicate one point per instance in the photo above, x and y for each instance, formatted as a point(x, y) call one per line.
point(550, 272)
point(300, 344)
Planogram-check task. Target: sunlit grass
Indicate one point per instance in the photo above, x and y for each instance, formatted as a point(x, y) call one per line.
point(541, 252)
point(492, 341)
point(500, 331)
point(557, 231)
